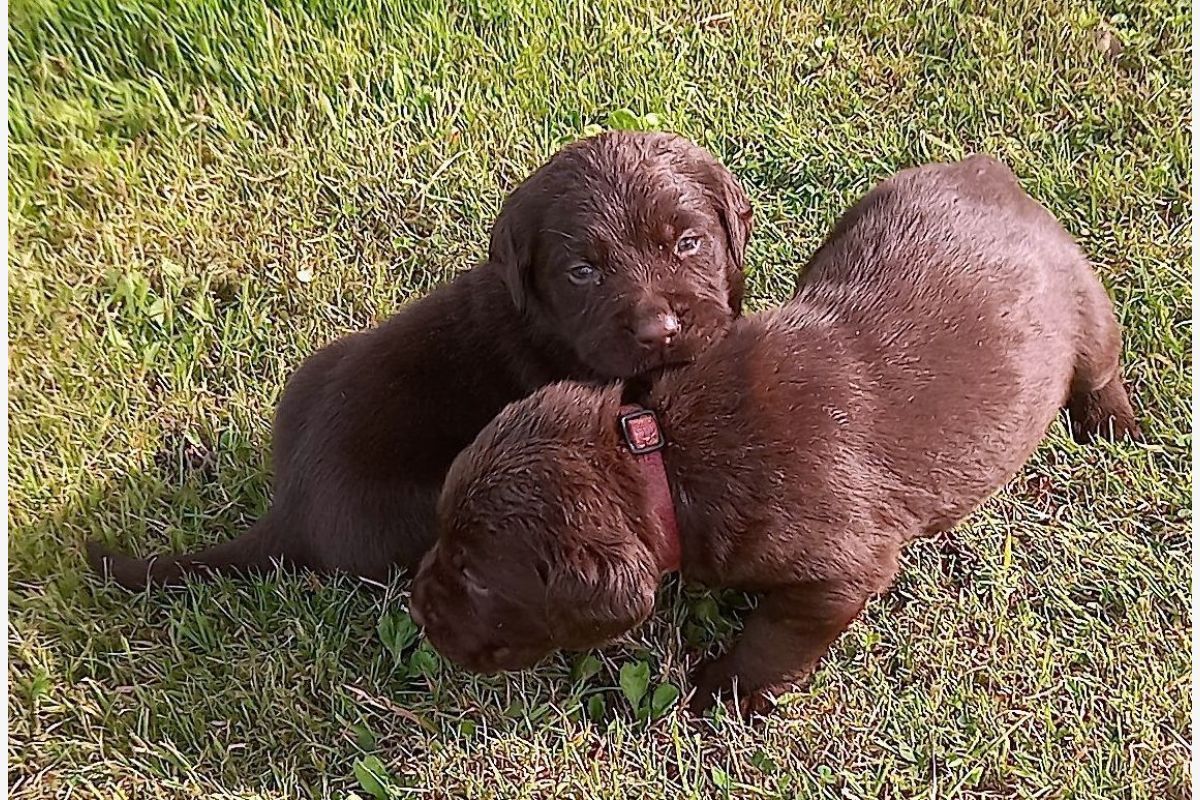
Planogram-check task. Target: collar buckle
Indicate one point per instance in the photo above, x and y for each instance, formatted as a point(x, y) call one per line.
point(641, 431)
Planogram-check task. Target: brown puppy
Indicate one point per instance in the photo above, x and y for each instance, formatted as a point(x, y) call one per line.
point(620, 255)
point(934, 337)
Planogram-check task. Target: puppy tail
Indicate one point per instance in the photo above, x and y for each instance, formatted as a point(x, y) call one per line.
point(256, 550)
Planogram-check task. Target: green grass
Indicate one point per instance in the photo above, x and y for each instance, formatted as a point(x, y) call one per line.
point(202, 193)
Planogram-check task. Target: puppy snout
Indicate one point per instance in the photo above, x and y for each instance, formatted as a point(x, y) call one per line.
point(414, 611)
point(657, 330)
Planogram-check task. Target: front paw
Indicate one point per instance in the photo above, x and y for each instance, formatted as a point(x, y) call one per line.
point(718, 681)
point(708, 681)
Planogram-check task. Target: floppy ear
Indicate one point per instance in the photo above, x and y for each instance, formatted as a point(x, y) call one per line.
point(595, 597)
point(511, 248)
point(737, 218)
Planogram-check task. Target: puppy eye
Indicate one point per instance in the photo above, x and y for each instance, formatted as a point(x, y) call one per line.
point(583, 275)
point(687, 244)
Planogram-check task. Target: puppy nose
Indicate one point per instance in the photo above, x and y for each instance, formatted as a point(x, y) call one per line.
point(657, 330)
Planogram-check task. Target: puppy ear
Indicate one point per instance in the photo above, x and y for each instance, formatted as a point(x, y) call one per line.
point(737, 218)
point(511, 248)
point(595, 597)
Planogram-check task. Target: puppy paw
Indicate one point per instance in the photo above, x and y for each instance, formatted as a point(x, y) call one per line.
point(1105, 426)
point(1103, 414)
point(708, 681)
point(716, 681)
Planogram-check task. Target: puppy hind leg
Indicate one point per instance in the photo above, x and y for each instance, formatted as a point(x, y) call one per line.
point(781, 643)
point(1103, 413)
point(1098, 405)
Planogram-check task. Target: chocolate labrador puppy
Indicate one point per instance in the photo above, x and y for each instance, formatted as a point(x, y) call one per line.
point(620, 255)
point(934, 337)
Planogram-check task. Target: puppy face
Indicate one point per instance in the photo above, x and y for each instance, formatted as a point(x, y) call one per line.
point(538, 547)
point(627, 249)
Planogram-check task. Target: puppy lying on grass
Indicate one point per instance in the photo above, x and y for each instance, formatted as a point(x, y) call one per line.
point(622, 254)
point(933, 339)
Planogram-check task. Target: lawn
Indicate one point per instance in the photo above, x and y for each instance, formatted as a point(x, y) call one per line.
point(204, 192)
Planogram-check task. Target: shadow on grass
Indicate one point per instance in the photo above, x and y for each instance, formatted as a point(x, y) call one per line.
point(285, 679)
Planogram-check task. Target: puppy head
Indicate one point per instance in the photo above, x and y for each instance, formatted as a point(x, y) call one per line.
point(627, 249)
point(538, 544)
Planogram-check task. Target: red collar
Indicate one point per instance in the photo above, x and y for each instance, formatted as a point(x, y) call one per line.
point(644, 438)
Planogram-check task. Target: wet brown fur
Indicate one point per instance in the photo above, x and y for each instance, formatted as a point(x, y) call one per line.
point(368, 426)
point(933, 338)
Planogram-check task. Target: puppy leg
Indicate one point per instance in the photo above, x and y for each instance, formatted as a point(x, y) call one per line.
point(1098, 404)
point(782, 642)
point(1104, 412)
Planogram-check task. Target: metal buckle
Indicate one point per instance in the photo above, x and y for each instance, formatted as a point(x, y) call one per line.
point(637, 434)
